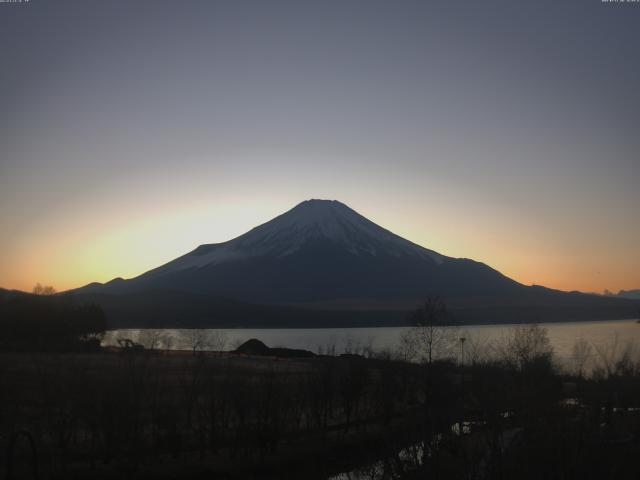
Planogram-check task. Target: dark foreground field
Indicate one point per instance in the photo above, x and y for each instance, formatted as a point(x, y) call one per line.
point(151, 415)
point(109, 415)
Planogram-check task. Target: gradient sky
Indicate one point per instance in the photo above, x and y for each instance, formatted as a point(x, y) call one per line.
point(503, 131)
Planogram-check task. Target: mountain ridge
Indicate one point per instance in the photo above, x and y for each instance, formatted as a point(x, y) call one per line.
point(318, 250)
point(322, 255)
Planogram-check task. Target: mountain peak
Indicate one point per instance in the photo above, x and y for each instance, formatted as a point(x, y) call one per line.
point(317, 206)
point(319, 250)
point(319, 201)
point(327, 215)
point(326, 221)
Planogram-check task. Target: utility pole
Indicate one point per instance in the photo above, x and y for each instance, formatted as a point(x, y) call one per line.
point(462, 340)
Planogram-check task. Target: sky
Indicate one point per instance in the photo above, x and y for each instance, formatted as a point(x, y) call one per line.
point(506, 132)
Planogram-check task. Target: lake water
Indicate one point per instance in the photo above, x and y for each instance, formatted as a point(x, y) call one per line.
point(604, 335)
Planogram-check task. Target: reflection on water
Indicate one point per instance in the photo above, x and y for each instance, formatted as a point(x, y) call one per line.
point(409, 460)
point(391, 467)
point(604, 337)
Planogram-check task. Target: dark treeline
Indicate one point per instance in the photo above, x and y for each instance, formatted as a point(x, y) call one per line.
point(173, 309)
point(49, 323)
point(157, 415)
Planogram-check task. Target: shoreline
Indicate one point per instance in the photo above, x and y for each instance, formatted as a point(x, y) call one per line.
point(305, 327)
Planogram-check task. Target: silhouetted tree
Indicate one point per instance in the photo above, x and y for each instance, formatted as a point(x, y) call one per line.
point(431, 336)
point(195, 339)
point(524, 345)
point(43, 289)
point(151, 338)
point(582, 352)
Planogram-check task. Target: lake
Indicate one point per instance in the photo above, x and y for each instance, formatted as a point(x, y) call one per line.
point(603, 335)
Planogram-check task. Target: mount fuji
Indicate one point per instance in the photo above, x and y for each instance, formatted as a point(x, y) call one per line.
point(322, 260)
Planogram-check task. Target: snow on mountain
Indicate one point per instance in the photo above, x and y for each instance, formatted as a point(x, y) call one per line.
point(325, 257)
point(308, 221)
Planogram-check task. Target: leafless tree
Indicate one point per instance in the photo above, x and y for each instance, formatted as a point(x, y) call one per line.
point(150, 339)
point(43, 289)
point(582, 352)
point(524, 344)
point(431, 337)
point(616, 359)
point(167, 341)
point(200, 339)
point(217, 340)
point(476, 349)
point(606, 355)
point(195, 339)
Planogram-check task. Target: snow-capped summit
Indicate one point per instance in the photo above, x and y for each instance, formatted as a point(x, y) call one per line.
point(326, 258)
point(309, 221)
point(318, 250)
point(331, 219)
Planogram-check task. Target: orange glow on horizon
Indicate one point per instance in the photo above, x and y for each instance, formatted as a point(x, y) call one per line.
point(118, 247)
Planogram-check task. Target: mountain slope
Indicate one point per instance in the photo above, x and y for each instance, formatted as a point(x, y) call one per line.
point(318, 251)
point(323, 264)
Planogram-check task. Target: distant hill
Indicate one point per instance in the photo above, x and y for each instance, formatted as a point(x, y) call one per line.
point(4, 293)
point(321, 263)
point(631, 294)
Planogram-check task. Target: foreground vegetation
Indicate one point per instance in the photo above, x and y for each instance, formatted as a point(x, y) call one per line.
point(44, 322)
point(69, 409)
point(160, 415)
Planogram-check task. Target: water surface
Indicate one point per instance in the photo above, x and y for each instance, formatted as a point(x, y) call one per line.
point(601, 335)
